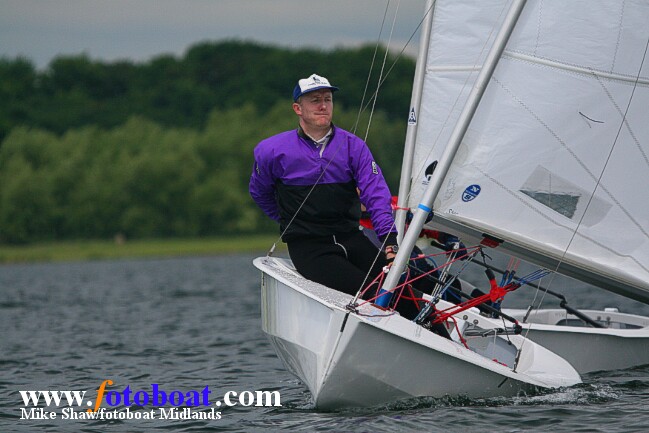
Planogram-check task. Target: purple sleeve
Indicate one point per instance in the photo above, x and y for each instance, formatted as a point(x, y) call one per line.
point(374, 191)
point(262, 183)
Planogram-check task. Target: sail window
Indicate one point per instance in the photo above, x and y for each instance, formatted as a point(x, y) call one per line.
point(563, 197)
point(565, 204)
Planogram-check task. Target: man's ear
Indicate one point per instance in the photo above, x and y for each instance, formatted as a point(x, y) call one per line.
point(297, 108)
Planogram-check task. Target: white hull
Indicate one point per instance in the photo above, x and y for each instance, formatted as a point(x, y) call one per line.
point(374, 357)
point(624, 344)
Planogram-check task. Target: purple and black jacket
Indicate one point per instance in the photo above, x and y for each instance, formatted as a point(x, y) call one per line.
point(288, 167)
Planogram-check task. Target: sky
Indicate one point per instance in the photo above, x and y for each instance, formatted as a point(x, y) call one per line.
point(138, 30)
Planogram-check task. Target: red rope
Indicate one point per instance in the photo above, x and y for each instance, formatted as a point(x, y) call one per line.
point(408, 281)
point(496, 294)
point(462, 340)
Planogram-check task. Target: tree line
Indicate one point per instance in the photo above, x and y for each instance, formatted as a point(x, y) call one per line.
point(164, 148)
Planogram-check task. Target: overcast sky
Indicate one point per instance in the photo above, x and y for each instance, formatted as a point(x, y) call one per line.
point(141, 29)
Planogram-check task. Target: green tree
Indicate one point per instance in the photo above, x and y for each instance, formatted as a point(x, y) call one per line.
point(164, 148)
point(25, 204)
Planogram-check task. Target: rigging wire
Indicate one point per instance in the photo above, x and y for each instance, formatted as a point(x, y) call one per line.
point(396, 59)
point(385, 59)
point(372, 100)
point(379, 82)
point(369, 74)
point(601, 175)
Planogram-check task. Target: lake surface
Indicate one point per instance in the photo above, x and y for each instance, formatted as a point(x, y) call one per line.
point(190, 323)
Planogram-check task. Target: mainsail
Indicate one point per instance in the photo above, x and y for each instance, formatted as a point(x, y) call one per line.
point(555, 161)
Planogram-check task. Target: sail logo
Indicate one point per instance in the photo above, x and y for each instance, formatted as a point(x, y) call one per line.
point(412, 117)
point(471, 192)
point(428, 173)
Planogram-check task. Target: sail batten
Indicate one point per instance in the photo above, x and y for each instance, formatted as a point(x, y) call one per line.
point(454, 68)
point(631, 79)
point(554, 160)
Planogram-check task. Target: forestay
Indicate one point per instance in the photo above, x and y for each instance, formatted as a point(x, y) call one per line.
point(556, 159)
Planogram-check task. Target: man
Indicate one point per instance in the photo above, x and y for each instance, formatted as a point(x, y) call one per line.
point(307, 180)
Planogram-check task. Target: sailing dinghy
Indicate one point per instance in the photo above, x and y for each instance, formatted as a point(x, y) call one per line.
point(621, 342)
point(372, 356)
point(554, 162)
point(351, 352)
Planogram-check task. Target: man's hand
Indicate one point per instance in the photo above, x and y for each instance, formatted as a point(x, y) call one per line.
point(451, 243)
point(391, 253)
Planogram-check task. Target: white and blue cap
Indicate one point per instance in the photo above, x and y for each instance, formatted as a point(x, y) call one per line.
point(314, 82)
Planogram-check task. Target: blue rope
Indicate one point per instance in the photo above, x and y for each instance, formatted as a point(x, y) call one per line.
point(536, 275)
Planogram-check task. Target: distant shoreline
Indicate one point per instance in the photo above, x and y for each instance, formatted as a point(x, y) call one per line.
point(84, 250)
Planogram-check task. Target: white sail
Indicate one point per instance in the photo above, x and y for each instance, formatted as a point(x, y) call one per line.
point(556, 159)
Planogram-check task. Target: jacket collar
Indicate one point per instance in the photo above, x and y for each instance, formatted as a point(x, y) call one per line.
point(304, 135)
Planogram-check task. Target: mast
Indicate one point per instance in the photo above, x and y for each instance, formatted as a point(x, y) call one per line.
point(411, 133)
point(455, 139)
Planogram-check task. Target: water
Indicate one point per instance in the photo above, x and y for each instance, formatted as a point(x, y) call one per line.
point(188, 323)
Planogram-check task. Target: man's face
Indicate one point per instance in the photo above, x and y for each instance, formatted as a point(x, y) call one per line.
point(315, 109)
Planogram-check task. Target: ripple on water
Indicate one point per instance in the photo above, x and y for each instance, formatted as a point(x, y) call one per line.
point(192, 322)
